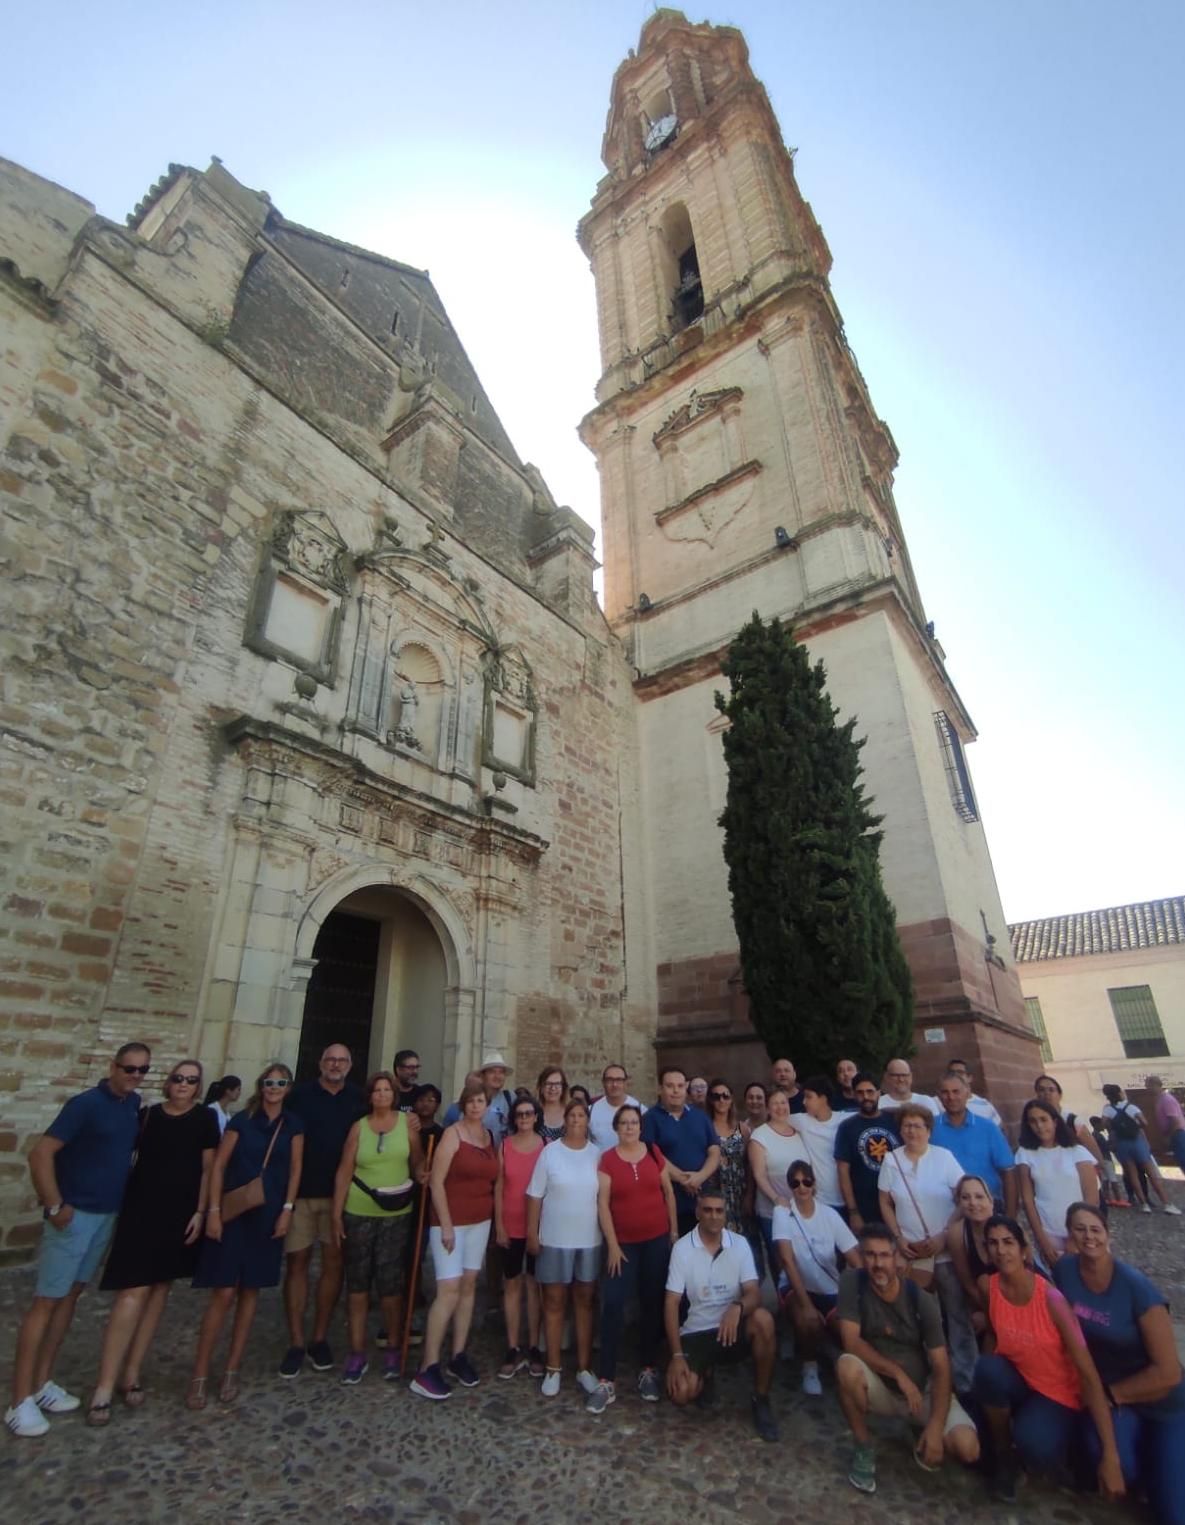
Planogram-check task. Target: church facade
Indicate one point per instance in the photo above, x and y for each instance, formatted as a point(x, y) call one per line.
point(312, 725)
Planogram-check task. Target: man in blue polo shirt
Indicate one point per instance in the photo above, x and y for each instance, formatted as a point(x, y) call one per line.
point(80, 1166)
point(686, 1137)
point(978, 1145)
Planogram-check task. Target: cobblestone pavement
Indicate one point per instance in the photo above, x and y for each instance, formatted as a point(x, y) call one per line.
point(313, 1450)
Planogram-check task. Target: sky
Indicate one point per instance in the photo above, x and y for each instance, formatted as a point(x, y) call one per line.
point(1001, 186)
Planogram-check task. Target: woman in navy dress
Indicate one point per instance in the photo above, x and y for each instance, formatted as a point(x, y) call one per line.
point(242, 1256)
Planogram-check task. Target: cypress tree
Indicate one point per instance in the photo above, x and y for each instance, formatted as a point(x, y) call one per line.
point(820, 956)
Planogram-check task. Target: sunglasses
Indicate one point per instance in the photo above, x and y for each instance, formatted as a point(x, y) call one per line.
point(276, 1085)
point(184, 1080)
point(797, 1181)
point(719, 1096)
point(518, 1116)
point(135, 1069)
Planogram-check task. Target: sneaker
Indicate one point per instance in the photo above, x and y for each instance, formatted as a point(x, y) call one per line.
point(649, 1385)
point(320, 1356)
point(586, 1382)
point(53, 1399)
point(862, 1472)
point(292, 1362)
point(512, 1363)
point(355, 1369)
point(811, 1385)
point(392, 1365)
point(551, 1382)
point(430, 1384)
point(1145, 1207)
point(536, 1365)
point(26, 1419)
point(1003, 1482)
point(926, 1466)
point(763, 1417)
point(464, 1370)
point(1119, 1202)
point(1172, 1209)
point(600, 1398)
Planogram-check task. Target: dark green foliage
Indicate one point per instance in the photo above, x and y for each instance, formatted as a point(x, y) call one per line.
point(820, 956)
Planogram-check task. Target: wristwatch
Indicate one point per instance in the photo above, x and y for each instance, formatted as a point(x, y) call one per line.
point(52, 1212)
point(288, 1207)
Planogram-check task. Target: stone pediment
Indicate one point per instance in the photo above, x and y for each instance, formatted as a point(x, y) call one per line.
point(699, 405)
point(704, 514)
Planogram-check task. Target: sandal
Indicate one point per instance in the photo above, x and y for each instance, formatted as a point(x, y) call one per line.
point(196, 1397)
point(133, 1395)
point(229, 1390)
point(98, 1415)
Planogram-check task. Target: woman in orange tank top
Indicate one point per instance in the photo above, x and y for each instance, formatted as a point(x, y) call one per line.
point(1036, 1380)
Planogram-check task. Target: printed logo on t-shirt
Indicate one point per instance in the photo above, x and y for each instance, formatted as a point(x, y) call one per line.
point(1089, 1315)
point(874, 1144)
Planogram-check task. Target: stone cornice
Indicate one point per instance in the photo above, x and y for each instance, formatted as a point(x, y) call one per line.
point(276, 749)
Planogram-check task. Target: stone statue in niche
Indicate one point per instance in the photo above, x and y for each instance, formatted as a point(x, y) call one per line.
point(409, 703)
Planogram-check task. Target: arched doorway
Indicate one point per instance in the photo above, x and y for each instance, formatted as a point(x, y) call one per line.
point(378, 985)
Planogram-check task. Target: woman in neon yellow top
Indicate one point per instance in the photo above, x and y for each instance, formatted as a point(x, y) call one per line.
point(372, 1213)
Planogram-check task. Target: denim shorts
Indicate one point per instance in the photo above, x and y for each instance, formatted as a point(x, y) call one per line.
point(72, 1254)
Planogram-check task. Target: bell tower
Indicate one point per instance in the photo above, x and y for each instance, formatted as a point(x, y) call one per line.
point(743, 467)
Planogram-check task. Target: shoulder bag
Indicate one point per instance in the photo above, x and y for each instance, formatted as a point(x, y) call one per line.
point(250, 1195)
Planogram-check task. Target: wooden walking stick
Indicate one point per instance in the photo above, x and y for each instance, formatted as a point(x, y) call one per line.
point(413, 1278)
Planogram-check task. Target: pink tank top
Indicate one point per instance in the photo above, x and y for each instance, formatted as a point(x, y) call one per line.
point(1030, 1339)
point(516, 1175)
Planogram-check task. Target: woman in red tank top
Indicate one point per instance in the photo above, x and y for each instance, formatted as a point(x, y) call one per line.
point(1036, 1377)
point(519, 1152)
point(464, 1170)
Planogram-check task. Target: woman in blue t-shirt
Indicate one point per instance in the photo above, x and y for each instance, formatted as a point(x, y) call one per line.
point(1125, 1321)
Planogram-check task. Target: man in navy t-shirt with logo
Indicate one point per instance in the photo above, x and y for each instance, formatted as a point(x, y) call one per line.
point(80, 1167)
point(686, 1137)
point(862, 1143)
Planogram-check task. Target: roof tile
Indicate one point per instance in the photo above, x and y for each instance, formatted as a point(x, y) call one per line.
point(1116, 929)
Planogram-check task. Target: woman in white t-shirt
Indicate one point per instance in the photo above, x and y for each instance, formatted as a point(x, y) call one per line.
point(917, 1187)
point(1055, 1171)
point(808, 1236)
point(772, 1149)
point(564, 1235)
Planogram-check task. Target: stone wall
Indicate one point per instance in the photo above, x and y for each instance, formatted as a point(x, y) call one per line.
point(180, 811)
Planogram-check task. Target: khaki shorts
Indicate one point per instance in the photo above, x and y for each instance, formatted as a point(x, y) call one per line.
point(885, 1401)
point(312, 1223)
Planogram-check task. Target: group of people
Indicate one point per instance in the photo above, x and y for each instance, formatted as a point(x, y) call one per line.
point(888, 1220)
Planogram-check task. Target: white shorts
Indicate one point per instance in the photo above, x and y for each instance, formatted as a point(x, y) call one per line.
point(468, 1252)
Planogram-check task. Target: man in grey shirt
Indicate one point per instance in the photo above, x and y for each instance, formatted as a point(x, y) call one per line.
point(895, 1362)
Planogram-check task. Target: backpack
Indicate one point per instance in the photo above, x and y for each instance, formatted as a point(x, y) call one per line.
point(1125, 1125)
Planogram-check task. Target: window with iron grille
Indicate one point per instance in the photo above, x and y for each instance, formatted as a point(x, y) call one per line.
point(1037, 1023)
point(1138, 1022)
point(958, 776)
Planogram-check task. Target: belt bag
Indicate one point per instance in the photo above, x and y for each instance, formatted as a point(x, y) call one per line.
point(390, 1198)
point(244, 1198)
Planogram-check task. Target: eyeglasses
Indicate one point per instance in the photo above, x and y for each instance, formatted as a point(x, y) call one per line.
point(719, 1096)
point(276, 1085)
point(409, 1064)
point(135, 1069)
point(518, 1116)
point(184, 1080)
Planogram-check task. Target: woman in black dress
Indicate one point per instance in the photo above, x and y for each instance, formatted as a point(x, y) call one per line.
point(240, 1257)
point(157, 1235)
